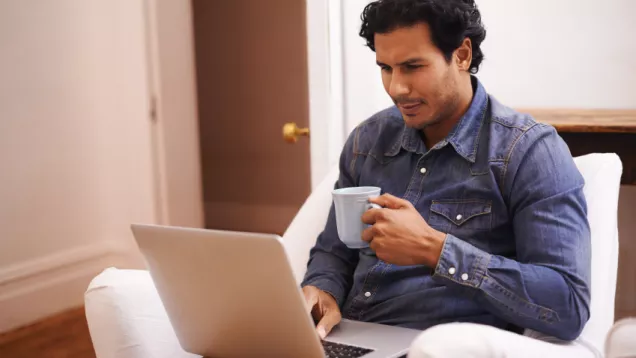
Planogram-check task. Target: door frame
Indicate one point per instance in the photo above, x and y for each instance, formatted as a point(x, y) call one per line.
point(326, 85)
point(173, 113)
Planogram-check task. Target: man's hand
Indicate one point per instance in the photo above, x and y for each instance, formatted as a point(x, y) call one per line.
point(323, 308)
point(399, 235)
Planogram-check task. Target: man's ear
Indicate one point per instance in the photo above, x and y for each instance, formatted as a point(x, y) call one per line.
point(464, 55)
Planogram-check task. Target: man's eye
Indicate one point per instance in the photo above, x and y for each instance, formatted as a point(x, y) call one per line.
point(385, 68)
point(413, 67)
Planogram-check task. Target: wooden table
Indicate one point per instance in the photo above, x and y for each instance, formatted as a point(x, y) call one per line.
point(602, 131)
point(596, 131)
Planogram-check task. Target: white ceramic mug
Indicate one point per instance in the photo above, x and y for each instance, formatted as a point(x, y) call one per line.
point(350, 204)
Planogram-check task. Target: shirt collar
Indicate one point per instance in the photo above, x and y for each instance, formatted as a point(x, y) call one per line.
point(464, 137)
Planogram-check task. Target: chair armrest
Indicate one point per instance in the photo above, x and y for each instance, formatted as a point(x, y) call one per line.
point(126, 318)
point(620, 341)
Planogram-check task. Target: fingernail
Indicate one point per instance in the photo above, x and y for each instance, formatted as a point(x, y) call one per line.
point(322, 333)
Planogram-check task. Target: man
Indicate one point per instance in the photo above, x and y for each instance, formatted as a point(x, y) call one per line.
point(483, 218)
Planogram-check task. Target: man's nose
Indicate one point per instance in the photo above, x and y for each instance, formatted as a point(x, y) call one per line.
point(399, 87)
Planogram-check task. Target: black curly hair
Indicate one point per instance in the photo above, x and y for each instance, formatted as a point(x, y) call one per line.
point(450, 22)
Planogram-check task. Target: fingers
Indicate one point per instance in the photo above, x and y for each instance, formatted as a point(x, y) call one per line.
point(329, 320)
point(311, 297)
point(367, 234)
point(371, 216)
point(390, 201)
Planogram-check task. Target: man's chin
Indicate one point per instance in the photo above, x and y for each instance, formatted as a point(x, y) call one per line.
point(417, 122)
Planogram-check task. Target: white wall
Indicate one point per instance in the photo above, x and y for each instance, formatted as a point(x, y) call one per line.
point(363, 89)
point(75, 149)
point(565, 53)
point(541, 53)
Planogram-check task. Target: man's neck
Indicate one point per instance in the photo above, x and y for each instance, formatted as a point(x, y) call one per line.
point(435, 133)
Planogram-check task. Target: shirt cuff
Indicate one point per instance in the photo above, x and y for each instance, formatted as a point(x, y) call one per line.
point(461, 263)
point(330, 287)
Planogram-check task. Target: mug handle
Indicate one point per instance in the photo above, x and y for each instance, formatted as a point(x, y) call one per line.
point(373, 206)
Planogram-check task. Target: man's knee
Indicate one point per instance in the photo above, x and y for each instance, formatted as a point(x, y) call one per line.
point(454, 340)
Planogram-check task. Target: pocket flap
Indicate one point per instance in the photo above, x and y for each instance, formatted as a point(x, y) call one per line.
point(460, 211)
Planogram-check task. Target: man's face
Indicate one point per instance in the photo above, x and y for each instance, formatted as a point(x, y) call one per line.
point(417, 76)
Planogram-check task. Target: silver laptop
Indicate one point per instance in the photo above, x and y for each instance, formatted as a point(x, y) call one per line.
point(233, 294)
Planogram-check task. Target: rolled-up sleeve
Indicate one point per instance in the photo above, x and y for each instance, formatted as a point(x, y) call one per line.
point(546, 287)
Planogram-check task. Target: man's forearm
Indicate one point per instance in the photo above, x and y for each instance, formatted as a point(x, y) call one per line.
point(331, 274)
point(528, 295)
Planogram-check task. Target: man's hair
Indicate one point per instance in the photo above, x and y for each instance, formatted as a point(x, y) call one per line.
point(450, 22)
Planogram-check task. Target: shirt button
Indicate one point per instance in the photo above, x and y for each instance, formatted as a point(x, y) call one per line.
point(464, 276)
point(451, 270)
point(367, 294)
point(459, 217)
point(423, 170)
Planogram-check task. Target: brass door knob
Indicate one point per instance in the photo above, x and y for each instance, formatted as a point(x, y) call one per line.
point(291, 132)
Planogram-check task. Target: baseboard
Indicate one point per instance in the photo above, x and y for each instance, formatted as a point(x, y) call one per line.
point(251, 217)
point(35, 289)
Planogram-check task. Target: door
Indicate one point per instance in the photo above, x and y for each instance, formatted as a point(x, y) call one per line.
point(252, 79)
point(227, 78)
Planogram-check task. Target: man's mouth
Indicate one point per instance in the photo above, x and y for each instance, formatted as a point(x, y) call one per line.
point(410, 108)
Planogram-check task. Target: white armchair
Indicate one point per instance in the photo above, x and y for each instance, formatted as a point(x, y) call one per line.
point(127, 320)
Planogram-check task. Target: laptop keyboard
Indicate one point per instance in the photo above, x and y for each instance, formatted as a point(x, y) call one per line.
point(337, 350)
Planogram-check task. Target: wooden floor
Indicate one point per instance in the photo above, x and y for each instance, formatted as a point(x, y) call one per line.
point(62, 336)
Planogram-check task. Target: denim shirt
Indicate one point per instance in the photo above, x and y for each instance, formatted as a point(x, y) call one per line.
point(506, 192)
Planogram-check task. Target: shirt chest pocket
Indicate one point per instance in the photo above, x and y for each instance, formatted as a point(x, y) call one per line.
point(461, 216)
